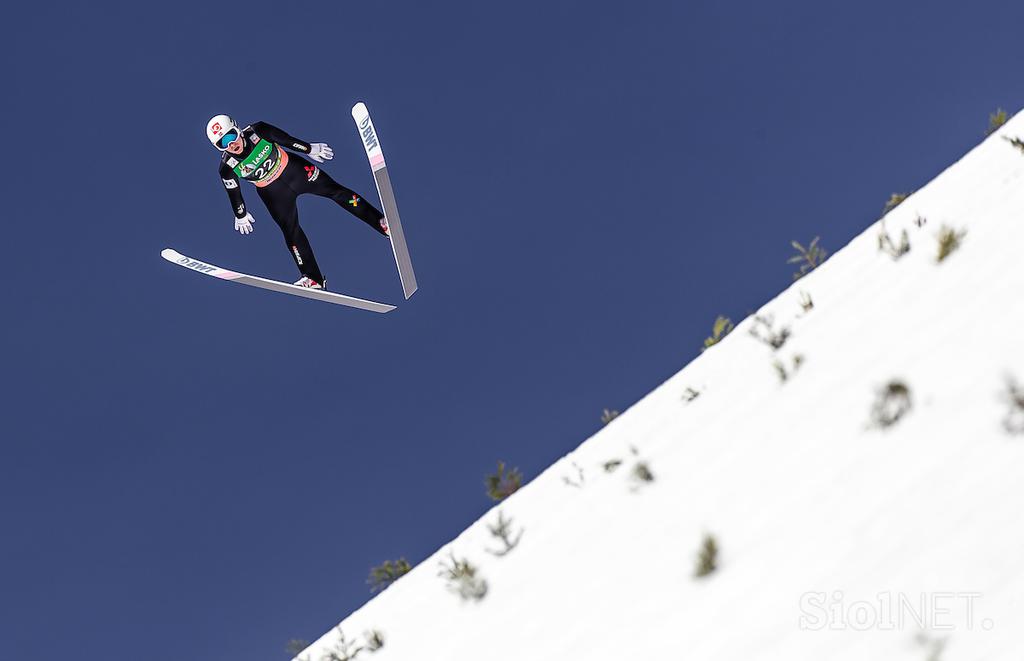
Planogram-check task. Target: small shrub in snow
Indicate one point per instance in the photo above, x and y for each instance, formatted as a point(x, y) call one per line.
point(611, 465)
point(894, 201)
point(949, 241)
point(295, 646)
point(502, 484)
point(1014, 421)
point(374, 640)
point(690, 394)
point(461, 578)
point(707, 558)
point(806, 302)
point(763, 329)
point(934, 646)
point(578, 482)
point(808, 258)
point(996, 120)
point(1016, 142)
point(502, 530)
point(891, 404)
point(343, 650)
point(723, 326)
point(784, 373)
point(642, 473)
point(891, 248)
point(387, 573)
point(607, 416)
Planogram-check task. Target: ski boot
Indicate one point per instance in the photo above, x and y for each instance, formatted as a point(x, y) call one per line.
point(310, 283)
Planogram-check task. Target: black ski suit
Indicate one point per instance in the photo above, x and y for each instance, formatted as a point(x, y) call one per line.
point(280, 178)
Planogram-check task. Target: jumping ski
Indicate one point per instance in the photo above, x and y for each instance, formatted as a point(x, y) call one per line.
point(371, 143)
point(175, 257)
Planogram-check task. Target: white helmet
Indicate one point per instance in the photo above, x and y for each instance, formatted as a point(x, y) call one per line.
point(217, 127)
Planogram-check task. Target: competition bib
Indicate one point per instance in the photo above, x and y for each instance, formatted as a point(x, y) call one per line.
point(262, 165)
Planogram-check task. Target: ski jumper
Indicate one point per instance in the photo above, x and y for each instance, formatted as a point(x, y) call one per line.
point(280, 178)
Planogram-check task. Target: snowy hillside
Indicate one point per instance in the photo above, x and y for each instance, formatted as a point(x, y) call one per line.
point(839, 537)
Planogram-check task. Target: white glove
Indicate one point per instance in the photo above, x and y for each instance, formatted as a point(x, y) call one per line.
point(244, 224)
point(320, 152)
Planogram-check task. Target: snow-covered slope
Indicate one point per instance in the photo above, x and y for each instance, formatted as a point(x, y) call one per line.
point(838, 539)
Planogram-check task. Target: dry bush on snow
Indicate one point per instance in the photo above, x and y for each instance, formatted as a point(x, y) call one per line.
point(996, 120)
point(892, 402)
point(1014, 420)
point(894, 201)
point(707, 558)
point(462, 579)
point(763, 329)
point(890, 247)
point(808, 258)
point(949, 241)
point(387, 573)
point(722, 327)
point(502, 484)
point(502, 530)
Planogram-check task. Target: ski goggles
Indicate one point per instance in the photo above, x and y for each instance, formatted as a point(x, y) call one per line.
point(227, 139)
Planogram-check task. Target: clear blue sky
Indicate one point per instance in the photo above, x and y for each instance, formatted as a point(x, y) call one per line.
point(198, 470)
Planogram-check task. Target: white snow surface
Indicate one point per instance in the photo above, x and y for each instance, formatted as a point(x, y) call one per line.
point(838, 540)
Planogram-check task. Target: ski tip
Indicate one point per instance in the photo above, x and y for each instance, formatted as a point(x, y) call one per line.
point(359, 110)
point(170, 255)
